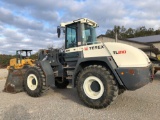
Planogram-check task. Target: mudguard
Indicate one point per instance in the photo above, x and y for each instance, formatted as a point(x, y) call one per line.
point(47, 69)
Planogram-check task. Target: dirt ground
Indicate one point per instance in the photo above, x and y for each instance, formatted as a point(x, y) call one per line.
point(58, 104)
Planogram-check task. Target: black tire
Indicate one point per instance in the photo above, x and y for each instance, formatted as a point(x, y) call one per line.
point(33, 81)
point(106, 87)
point(120, 91)
point(61, 84)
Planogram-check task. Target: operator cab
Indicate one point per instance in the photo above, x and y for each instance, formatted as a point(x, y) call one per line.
point(79, 32)
point(22, 54)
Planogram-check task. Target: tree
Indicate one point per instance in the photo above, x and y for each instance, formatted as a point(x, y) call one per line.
point(124, 33)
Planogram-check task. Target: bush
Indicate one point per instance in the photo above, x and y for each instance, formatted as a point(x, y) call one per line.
point(4, 60)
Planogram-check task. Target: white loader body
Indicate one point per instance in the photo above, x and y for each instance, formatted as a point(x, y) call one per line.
point(124, 55)
point(101, 71)
point(131, 64)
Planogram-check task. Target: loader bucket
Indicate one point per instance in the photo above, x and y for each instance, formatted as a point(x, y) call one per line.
point(14, 82)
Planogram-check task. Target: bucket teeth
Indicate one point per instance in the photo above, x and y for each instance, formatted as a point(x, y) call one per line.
point(10, 88)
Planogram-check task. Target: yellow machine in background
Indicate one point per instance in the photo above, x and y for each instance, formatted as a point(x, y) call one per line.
point(16, 70)
point(22, 59)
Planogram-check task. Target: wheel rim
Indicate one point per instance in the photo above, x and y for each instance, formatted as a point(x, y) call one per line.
point(32, 82)
point(93, 87)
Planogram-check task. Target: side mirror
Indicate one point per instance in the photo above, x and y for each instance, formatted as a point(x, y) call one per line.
point(58, 32)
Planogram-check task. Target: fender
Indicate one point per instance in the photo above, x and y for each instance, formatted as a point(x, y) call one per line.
point(46, 67)
point(107, 61)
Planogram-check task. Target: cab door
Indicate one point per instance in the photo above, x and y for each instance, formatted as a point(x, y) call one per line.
point(71, 44)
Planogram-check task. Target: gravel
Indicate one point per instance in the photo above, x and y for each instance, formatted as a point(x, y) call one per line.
point(3, 74)
point(58, 104)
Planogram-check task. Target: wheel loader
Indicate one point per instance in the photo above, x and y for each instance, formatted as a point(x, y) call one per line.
point(100, 71)
point(17, 69)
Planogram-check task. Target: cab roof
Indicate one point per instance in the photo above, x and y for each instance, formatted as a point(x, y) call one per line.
point(24, 50)
point(81, 20)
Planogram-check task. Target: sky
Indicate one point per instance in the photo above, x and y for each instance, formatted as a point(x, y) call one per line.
point(32, 24)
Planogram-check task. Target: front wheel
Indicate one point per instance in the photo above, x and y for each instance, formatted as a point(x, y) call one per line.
point(33, 81)
point(96, 86)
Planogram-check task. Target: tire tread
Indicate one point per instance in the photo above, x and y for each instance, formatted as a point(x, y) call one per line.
point(109, 79)
point(42, 82)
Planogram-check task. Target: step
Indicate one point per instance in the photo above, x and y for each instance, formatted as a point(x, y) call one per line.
point(69, 67)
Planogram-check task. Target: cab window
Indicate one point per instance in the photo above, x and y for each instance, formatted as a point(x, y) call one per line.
point(88, 34)
point(71, 36)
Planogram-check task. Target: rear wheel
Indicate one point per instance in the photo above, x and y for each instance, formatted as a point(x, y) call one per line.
point(96, 86)
point(34, 81)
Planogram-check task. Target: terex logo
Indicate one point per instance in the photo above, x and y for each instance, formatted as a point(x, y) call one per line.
point(94, 47)
point(119, 52)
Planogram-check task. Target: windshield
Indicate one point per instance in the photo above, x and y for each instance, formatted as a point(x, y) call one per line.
point(88, 34)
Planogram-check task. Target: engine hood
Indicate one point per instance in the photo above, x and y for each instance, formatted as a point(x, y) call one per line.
point(127, 56)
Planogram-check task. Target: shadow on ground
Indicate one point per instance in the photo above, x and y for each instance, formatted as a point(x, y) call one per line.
point(68, 94)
